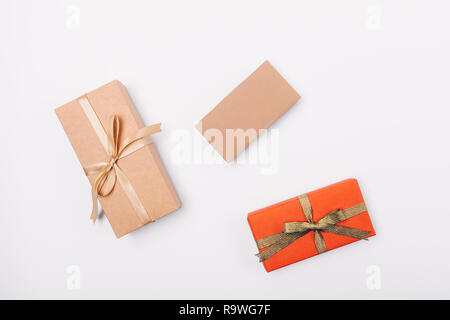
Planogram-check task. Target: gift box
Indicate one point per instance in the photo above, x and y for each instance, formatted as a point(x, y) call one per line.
point(247, 111)
point(119, 158)
point(310, 224)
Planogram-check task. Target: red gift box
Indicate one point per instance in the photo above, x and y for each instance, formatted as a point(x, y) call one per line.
point(304, 226)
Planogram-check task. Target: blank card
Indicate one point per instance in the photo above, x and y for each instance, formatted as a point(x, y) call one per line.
point(247, 111)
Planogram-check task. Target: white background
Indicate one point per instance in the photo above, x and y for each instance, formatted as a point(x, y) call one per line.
point(374, 80)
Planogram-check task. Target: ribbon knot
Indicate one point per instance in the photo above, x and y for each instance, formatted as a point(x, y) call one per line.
point(295, 230)
point(112, 162)
point(322, 224)
point(108, 173)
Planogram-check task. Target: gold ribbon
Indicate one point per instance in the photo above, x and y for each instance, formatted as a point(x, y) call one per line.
point(296, 230)
point(108, 172)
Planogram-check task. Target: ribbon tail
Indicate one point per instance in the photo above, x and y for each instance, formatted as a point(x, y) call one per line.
point(94, 213)
point(339, 215)
point(285, 239)
point(346, 231)
point(270, 240)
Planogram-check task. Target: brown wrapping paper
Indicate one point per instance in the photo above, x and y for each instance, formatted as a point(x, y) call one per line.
point(250, 108)
point(143, 168)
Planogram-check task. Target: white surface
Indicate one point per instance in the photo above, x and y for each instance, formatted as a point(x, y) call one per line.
point(374, 80)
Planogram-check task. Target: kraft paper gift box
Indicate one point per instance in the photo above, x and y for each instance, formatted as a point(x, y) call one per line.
point(304, 226)
point(140, 188)
point(247, 111)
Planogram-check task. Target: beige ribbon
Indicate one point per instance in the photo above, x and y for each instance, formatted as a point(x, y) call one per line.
point(296, 230)
point(108, 172)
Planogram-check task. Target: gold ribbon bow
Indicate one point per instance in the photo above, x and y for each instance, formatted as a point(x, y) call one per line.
point(108, 172)
point(296, 230)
